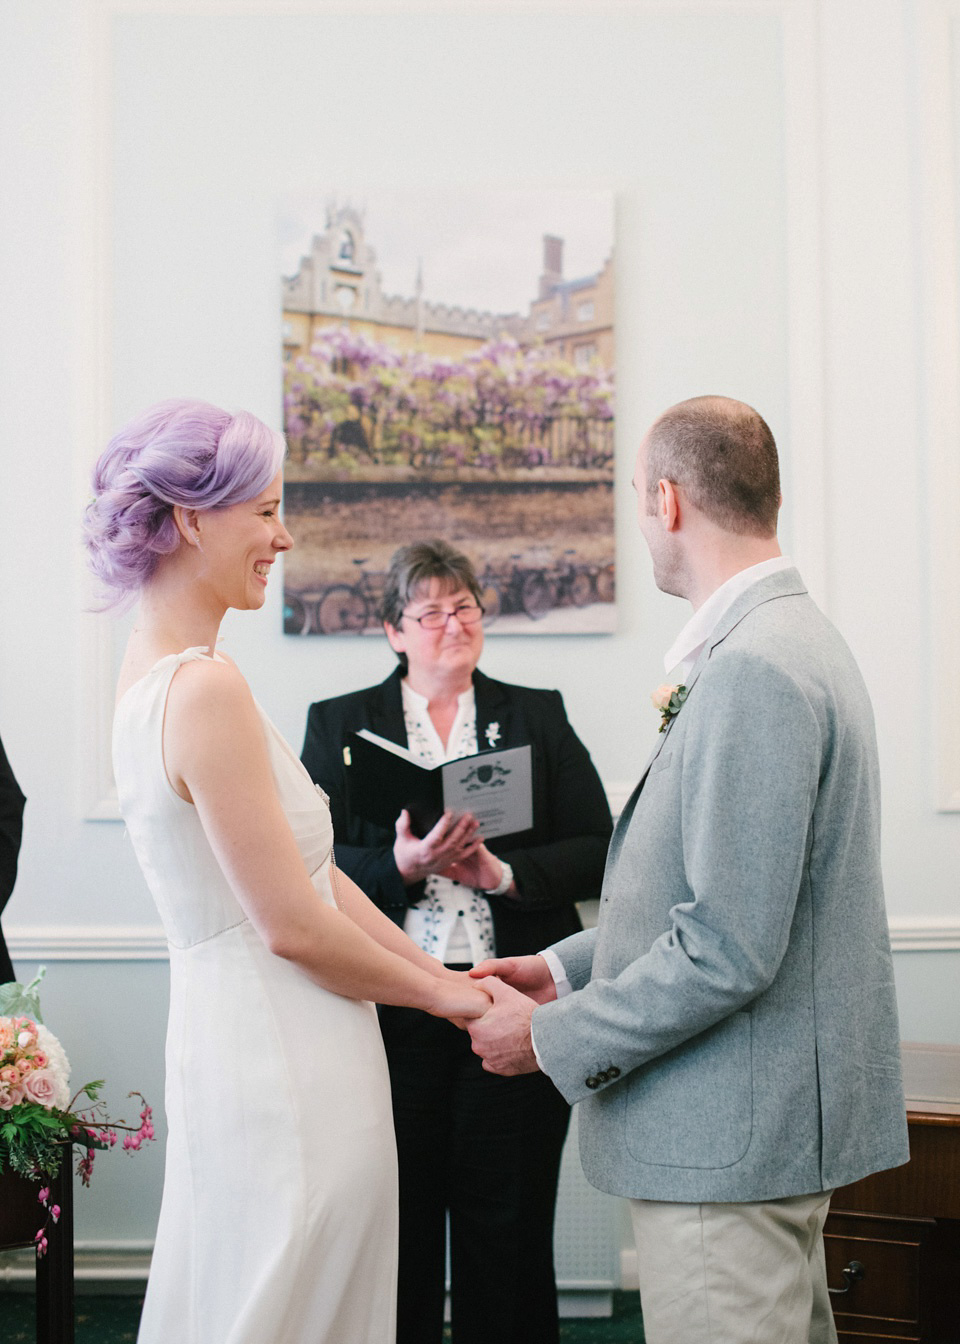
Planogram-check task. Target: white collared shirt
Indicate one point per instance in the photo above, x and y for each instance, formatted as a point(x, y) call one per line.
point(451, 922)
point(688, 645)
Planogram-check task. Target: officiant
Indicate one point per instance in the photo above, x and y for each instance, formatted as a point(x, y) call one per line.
point(484, 1149)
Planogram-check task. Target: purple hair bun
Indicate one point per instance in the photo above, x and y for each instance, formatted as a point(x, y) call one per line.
point(177, 452)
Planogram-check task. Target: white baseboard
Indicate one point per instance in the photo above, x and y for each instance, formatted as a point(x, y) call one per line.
point(573, 1304)
point(629, 1276)
point(122, 1268)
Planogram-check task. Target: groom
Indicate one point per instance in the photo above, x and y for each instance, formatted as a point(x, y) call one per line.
point(730, 1027)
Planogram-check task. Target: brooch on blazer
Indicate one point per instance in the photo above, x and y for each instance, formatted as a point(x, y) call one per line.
point(669, 700)
point(492, 733)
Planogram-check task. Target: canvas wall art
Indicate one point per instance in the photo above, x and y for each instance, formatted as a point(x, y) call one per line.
point(448, 367)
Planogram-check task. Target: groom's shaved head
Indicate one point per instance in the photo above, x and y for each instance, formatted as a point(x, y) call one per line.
point(723, 456)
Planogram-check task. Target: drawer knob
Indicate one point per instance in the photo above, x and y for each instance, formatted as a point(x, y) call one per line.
point(852, 1274)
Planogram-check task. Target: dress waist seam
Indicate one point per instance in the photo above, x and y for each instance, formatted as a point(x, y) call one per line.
point(185, 947)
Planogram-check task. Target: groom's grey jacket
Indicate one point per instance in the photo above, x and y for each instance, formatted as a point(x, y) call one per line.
point(735, 1033)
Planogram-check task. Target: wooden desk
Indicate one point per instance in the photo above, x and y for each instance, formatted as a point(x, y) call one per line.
point(903, 1226)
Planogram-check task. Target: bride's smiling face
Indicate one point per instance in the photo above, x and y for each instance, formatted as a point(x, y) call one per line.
point(238, 545)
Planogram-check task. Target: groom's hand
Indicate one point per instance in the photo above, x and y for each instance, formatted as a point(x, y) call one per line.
point(502, 1036)
point(531, 975)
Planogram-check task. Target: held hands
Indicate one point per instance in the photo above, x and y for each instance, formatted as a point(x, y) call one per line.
point(460, 998)
point(530, 975)
point(453, 840)
point(502, 1036)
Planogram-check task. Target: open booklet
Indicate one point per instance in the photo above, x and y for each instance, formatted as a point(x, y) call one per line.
point(384, 778)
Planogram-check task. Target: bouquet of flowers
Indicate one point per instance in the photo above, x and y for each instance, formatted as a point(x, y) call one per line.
point(39, 1119)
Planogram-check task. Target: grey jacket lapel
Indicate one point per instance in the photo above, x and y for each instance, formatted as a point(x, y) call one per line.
point(785, 583)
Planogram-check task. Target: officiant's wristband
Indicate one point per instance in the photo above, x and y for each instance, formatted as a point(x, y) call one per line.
point(505, 883)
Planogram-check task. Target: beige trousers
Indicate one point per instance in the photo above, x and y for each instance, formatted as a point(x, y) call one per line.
point(734, 1273)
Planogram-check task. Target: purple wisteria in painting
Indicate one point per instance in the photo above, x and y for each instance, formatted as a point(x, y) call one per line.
point(353, 402)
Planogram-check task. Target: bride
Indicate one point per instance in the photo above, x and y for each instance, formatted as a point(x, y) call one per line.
point(278, 1221)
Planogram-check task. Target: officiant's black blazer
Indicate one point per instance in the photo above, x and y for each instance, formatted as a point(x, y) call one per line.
point(558, 861)
point(11, 827)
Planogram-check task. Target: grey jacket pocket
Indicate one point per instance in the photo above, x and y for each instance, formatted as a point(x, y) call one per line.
point(693, 1107)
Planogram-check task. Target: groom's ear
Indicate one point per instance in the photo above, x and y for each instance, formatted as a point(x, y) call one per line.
point(669, 505)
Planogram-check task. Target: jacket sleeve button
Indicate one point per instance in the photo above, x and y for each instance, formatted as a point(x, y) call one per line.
point(592, 1082)
point(613, 1072)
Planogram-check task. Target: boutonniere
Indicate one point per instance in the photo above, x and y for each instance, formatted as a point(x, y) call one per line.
point(492, 733)
point(669, 700)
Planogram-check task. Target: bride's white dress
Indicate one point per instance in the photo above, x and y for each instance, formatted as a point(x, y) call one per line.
point(279, 1216)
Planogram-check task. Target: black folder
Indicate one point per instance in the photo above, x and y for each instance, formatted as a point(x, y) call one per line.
point(494, 785)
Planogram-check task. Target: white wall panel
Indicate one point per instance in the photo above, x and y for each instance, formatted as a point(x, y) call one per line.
point(786, 179)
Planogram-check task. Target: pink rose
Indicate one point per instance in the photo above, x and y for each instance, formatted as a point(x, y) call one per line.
point(6, 1034)
point(40, 1086)
point(10, 1075)
point(10, 1097)
point(661, 696)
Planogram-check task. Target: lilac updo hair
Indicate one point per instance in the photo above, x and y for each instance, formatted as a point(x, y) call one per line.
point(177, 452)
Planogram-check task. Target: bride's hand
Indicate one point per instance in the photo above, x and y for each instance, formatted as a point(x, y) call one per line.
point(458, 999)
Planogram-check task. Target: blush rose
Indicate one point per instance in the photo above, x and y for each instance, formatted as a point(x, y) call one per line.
point(40, 1086)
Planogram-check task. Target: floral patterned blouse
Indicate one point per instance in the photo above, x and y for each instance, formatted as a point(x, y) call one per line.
point(451, 921)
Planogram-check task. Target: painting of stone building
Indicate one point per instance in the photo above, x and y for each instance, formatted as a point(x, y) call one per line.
point(412, 415)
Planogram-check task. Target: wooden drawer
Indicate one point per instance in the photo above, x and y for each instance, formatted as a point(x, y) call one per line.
point(903, 1225)
point(888, 1302)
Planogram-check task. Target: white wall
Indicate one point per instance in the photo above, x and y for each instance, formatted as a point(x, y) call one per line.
point(786, 233)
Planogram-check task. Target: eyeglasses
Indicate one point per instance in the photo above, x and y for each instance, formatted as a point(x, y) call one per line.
point(468, 613)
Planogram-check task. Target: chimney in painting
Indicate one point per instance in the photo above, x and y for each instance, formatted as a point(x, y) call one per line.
point(552, 264)
point(418, 302)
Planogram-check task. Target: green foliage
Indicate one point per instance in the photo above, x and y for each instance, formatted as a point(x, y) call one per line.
point(22, 1000)
point(32, 1140)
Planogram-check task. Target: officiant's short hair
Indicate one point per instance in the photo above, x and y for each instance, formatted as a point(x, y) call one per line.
point(413, 567)
point(722, 454)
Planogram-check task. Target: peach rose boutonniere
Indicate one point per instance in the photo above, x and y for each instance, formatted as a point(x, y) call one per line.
point(669, 700)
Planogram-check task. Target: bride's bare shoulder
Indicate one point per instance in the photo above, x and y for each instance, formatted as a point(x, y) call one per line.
point(206, 683)
point(212, 732)
point(142, 659)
